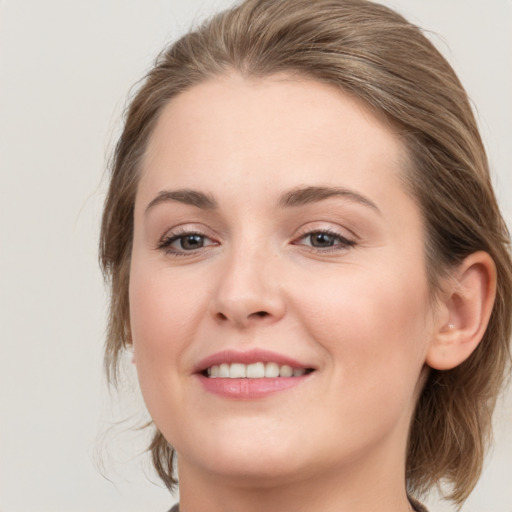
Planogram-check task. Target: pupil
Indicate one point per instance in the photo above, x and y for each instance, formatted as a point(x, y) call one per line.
point(190, 242)
point(322, 240)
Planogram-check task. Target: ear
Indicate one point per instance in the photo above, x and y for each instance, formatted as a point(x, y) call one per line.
point(465, 308)
point(131, 352)
point(128, 344)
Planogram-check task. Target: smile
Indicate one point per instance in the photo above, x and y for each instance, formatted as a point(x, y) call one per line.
point(258, 370)
point(252, 374)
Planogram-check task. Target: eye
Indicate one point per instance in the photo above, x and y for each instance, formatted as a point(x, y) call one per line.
point(324, 239)
point(181, 243)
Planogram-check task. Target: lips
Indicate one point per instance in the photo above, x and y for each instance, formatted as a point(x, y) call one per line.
point(251, 374)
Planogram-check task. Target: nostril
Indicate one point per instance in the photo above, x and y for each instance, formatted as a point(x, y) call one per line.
point(261, 314)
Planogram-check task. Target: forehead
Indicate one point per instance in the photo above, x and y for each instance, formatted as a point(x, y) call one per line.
point(282, 129)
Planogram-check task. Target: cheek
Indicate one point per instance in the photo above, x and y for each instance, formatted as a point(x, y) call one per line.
point(164, 314)
point(373, 327)
point(163, 309)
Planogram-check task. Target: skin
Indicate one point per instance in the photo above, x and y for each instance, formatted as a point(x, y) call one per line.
point(358, 312)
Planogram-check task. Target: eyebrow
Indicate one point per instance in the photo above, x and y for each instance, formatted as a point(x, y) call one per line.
point(184, 196)
point(305, 195)
point(299, 196)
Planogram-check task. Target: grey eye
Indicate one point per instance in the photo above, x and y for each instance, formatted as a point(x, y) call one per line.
point(191, 242)
point(323, 240)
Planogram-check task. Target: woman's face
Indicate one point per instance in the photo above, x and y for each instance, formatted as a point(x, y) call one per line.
point(273, 237)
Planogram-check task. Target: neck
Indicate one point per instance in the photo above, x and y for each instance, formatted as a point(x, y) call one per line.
point(358, 488)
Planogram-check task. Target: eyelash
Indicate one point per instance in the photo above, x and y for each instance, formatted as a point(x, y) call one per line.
point(166, 243)
point(343, 243)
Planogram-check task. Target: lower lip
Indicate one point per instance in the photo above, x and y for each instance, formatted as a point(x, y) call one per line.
point(250, 388)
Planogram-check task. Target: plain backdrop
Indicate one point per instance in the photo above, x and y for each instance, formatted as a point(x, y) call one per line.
point(66, 68)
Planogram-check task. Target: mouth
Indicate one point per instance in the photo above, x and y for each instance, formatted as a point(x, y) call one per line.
point(257, 370)
point(251, 374)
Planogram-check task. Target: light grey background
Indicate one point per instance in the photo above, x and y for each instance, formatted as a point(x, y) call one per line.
point(66, 68)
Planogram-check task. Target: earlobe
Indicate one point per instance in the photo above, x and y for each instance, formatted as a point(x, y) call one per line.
point(131, 353)
point(128, 343)
point(467, 302)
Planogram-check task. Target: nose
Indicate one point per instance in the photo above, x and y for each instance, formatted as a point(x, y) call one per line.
point(249, 291)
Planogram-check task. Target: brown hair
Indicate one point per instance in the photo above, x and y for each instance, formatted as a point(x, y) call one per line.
point(374, 54)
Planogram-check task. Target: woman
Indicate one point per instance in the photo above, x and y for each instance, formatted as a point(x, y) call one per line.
point(307, 258)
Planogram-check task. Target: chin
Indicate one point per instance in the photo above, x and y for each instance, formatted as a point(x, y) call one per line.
point(264, 471)
point(252, 459)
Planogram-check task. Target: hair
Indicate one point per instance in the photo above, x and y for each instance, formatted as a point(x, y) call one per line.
point(374, 54)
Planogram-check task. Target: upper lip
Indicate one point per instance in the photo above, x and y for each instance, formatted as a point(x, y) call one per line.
point(247, 357)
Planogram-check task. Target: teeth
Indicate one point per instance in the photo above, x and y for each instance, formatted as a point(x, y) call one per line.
point(286, 371)
point(271, 370)
point(224, 370)
point(237, 371)
point(253, 371)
